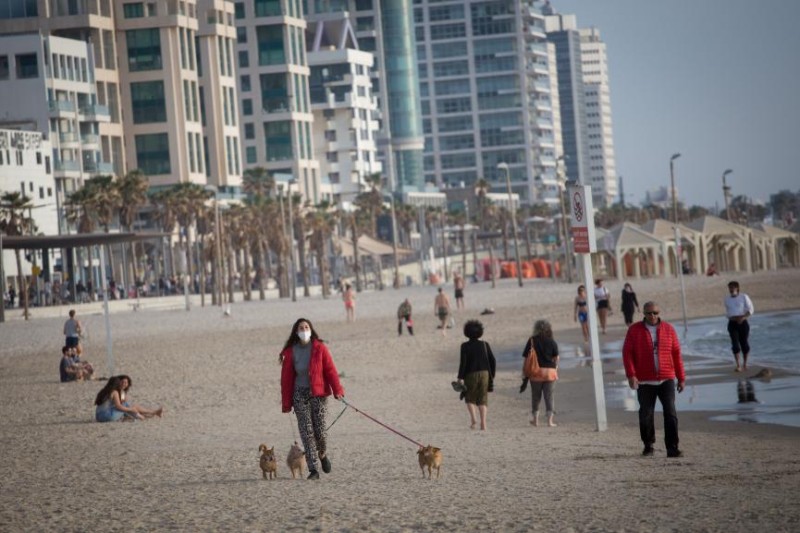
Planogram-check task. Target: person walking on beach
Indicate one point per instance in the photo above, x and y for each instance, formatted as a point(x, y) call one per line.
point(603, 299)
point(546, 350)
point(349, 299)
point(113, 405)
point(738, 307)
point(651, 354)
point(441, 308)
point(629, 303)
point(476, 371)
point(308, 377)
point(404, 315)
point(458, 284)
point(581, 306)
point(72, 330)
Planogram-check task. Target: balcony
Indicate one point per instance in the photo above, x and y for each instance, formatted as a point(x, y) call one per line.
point(538, 48)
point(60, 107)
point(67, 167)
point(90, 139)
point(69, 137)
point(95, 167)
point(96, 112)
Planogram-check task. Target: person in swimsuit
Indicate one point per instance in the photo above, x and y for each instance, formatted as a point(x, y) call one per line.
point(349, 299)
point(458, 284)
point(441, 308)
point(603, 298)
point(582, 312)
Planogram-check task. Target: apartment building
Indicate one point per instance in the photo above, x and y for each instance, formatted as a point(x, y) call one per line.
point(276, 115)
point(345, 126)
point(485, 83)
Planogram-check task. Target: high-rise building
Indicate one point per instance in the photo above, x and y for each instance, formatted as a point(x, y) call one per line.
point(585, 104)
point(486, 84)
point(143, 65)
point(273, 90)
point(385, 28)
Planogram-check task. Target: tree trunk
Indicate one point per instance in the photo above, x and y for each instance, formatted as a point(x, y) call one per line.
point(322, 259)
point(528, 242)
point(231, 265)
point(463, 253)
point(202, 265)
point(356, 263)
point(505, 239)
point(23, 287)
point(262, 272)
point(248, 295)
point(491, 263)
point(301, 252)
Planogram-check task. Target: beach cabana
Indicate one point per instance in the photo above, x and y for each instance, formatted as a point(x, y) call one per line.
point(628, 251)
point(723, 243)
point(785, 248)
point(664, 230)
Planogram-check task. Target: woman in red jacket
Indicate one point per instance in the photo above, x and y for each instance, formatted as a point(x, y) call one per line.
point(308, 377)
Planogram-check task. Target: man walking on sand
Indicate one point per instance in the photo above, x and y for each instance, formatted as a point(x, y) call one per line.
point(738, 307)
point(652, 358)
point(441, 308)
point(458, 284)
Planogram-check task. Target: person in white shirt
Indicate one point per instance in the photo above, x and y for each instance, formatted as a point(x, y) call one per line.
point(738, 307)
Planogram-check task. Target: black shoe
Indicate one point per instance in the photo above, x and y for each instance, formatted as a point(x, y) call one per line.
point(313, 475)
point(648, 451)
point(326, 464)
point(674, 453)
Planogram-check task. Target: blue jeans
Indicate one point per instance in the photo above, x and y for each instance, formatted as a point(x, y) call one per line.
point(647, 395)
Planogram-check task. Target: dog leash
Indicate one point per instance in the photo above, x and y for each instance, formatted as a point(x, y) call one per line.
point(359, 411)
point(337, 418)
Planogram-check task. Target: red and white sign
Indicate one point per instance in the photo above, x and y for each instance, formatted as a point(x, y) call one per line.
point(582, 215)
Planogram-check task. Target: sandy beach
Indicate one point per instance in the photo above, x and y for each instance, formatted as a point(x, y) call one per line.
point(218, 380)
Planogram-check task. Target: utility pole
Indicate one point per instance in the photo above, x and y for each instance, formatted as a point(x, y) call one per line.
point(504, 166)
point(726, 192)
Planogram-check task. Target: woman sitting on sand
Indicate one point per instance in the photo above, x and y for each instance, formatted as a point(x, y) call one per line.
point(112, 405)
point(476, 372)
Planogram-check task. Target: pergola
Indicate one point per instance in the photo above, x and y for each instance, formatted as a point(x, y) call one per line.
point(730, 245)
point(690, 239)
point(634, 252)
point(786, 247)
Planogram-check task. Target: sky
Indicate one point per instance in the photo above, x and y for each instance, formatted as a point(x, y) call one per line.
point(717, 81)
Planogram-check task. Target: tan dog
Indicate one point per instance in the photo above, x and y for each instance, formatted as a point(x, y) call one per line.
point(268, 463)
point(295, 460)
point(432, 458)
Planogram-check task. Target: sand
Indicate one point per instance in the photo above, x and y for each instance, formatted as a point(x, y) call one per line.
point(218, 379)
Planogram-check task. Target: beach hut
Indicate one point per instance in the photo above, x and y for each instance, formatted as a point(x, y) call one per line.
point(727, 245)
point(664, 230)
point(628, 251)
point(786, 246)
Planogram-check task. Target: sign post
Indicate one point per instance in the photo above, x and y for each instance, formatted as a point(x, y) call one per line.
point(584, 244)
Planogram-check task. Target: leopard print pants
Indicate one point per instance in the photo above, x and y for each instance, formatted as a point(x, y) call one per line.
point(310, 412)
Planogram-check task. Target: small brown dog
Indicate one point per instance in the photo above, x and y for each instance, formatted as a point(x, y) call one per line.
point(295, 460)
point(430, 457)
point(268, 463)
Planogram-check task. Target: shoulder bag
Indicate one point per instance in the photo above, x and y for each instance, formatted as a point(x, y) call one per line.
point(489, 369)
point(533, 371)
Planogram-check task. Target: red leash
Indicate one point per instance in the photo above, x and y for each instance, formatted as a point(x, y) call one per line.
point(357, 410)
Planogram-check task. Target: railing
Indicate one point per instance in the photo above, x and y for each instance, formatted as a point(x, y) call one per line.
point(68, 137)
point(90, 138)
point(98, 167)
point(95, 110)
point(62, 105)
point(67, 166)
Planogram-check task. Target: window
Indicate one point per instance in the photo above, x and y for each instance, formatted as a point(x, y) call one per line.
point(249, 131)
point(147, 102)
point(250, 155)
point(244, 59)
point(244, 83)
point(447, 31)
point(270, 45)
point(278, 138)
point(152, 153)
point(13, 9)
point(238, 8)
point(27, 66)
point(4, 73)
point(456, 142)
point(332, 157)
point(443, 50)
point(274, 95)
point(144, 49)
point(452, 87)
point(268, 8)
point(458, 160)
point(247, 107)
point(241, 34)
point(330, 135)
point(363, 5)
point(133, 11)
point(450, 68)
point(460, 123)
point(446, 13)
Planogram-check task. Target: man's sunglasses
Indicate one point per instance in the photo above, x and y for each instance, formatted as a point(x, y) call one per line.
point(654, 313)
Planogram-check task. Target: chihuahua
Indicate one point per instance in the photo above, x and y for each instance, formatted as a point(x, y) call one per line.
point(430, 457)
point(268, 463)
point(295, 460)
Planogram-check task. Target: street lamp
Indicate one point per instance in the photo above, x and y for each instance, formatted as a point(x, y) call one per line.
point(726, 191)
point(291, 239)
point(678, 241)
point(562, 187)
point(504, 166)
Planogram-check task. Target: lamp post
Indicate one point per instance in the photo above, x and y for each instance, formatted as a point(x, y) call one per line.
point(504, 166)
point(678, 242)
point(293, 271)
point(726, 191)
point(562, 187)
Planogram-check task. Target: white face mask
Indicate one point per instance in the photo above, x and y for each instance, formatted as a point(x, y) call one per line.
point(305, 336)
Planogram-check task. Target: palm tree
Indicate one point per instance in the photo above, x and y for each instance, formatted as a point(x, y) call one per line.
point(132, 189)
point(321, 223)
point(371, 202)
point(191, 199)
point(258, 184)
point(166, 213)
point(14, 222)
point(299, 232)
point(481, 189)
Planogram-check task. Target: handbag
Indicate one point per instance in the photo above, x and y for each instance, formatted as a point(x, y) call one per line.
point(535, 372)
point(491, 379)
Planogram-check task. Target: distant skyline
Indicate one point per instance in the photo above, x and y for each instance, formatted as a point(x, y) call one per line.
point(714, 80)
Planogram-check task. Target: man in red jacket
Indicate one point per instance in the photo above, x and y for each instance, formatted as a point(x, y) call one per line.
point(652, 357)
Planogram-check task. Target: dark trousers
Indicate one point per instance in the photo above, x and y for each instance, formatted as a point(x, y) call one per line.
point(405, 319)
point(739, 333)
point(647, 405)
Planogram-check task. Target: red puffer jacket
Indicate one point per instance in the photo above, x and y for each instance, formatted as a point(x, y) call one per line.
point(322, 374)
point(637, 354)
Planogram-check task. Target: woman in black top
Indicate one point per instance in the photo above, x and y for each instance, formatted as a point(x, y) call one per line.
point(476, 372)
point(629, 303)
point(547, 355)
